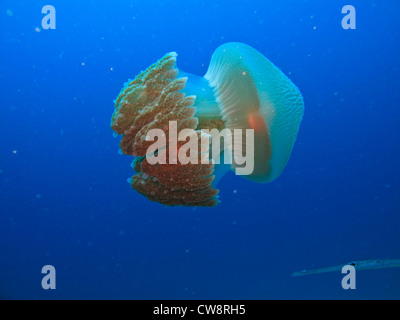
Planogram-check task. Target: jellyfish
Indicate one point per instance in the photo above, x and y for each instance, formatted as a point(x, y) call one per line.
point(242, 90)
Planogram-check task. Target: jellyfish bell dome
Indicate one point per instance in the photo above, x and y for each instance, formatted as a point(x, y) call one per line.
point(242, 90)
point(253, 93)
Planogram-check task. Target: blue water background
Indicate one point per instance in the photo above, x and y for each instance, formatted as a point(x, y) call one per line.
point(64, 199)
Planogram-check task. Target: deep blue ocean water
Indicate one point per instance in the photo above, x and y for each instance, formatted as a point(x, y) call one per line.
point(64, 199)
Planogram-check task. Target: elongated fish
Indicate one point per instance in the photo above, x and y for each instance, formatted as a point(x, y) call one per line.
point(358, 265)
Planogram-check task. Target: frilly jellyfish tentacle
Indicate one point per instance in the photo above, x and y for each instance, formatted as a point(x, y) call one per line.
point(151, 101)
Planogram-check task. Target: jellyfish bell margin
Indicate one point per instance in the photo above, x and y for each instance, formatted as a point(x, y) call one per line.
point(242, 90)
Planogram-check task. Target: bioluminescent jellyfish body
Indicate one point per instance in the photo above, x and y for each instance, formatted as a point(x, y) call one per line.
point(242, 89)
